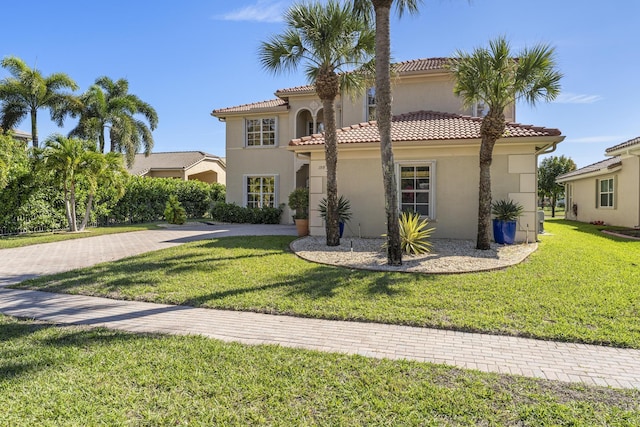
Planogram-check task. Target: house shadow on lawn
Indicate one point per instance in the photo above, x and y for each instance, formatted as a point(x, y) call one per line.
point(596, 230)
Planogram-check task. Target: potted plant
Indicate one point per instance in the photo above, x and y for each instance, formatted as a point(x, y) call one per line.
point(299, 201)
point(344, 211)
point(506, 213)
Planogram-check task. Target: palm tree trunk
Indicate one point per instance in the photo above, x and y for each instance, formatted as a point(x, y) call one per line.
point(34, 128)
point(383, 113)
point(492, 128)
point(72, 208)
point(101, 140)
point(331, 157)
point(87, 213)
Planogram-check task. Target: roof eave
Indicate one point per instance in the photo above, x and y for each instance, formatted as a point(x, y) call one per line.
point(593, 174)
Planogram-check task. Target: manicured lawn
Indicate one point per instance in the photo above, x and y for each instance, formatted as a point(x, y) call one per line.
point(52, 376)
point(581, 285)
point(36, 238)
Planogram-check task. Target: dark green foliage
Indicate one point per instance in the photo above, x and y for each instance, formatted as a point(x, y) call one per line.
point(174, 213)
point(344, 209)
point(28, 202)
point(299, 201)
point(145, 199)
point(232, 213)
point(506, 210)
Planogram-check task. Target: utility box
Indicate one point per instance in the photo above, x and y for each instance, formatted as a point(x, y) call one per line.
point(540, 222)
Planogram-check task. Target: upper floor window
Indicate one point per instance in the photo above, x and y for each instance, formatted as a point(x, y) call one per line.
point(416, 188)
point(480, 109)
point(319, 128)
point(371, 104)
point(606, 193)
point(261, 132)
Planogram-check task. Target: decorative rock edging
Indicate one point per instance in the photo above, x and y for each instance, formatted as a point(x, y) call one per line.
point(448, 256)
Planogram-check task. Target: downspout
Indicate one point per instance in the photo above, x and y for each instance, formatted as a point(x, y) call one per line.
point(546, 150)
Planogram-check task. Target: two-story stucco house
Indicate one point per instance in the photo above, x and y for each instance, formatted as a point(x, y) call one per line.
point(274, 146)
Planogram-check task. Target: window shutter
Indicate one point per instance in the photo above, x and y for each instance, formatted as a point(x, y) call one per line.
point(597, 193)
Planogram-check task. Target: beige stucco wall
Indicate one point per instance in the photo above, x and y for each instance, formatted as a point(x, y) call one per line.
point(456, 187)
point(205, 171)
point(626, 212)
point(242, 161)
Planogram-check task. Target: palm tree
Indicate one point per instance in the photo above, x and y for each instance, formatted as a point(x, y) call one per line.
point(66, 159)
point(382, 15)
point(102, 171)
point(108, 104)
point(28, 90)
point(495, 77)
point(329, 39)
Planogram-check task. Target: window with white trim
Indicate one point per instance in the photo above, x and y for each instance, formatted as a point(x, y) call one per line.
point(370, 112)
point(416, 188)
point(606, 193)
point(261, 132)
point(260, 191)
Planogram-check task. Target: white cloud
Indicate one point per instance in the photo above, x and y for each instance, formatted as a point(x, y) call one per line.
point(574, 98)
point(262, 11)
point(596, 139)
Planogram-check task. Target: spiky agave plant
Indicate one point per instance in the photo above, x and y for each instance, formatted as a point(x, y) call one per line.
point(414, 234)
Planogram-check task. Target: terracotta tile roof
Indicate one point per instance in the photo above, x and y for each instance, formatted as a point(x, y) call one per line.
point(297, 89)
point(425, 64)
point(170, 160)
point(424, 126)
point(625, 144)
point(273, 103)
point(595, 167)
point(415, 65)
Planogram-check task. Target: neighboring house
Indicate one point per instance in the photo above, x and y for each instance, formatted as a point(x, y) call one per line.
point(21, 135)
point(607, 191)
point(185, 165)
point(277, 145)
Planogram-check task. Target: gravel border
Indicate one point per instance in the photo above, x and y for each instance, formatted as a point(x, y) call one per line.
point(447, 256)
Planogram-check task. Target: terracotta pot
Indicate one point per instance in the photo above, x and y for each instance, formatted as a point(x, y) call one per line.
point(302, 225)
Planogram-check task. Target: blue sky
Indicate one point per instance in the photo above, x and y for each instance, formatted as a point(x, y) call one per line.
point(187, 58)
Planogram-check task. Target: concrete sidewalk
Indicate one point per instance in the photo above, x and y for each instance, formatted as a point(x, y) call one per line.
point(589, 364)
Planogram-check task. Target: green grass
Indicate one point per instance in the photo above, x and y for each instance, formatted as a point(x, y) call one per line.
point(52, 376)
point(19, 240)
point(580, 286)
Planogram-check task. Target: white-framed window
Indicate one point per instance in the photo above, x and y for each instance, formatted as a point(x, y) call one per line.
point(416, 181)
point(260, 132)
point(318, 129)
point(260, 191)
point(370, 107)
point(479, 109)
point(606, 193)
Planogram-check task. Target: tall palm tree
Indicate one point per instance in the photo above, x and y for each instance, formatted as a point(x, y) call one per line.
point(382, 14)
point(28, 90)
point(66, 159)
point(330, 40)
point(496, 78)
point(108, 104)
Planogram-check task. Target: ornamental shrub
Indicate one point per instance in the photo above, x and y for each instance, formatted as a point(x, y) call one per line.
point(174, 213)
point(232, 213)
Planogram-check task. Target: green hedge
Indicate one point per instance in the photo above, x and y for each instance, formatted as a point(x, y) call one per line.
point(230, 212)
point(145, 199)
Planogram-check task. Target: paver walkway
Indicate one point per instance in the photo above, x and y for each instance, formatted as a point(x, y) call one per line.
point(594, 365)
